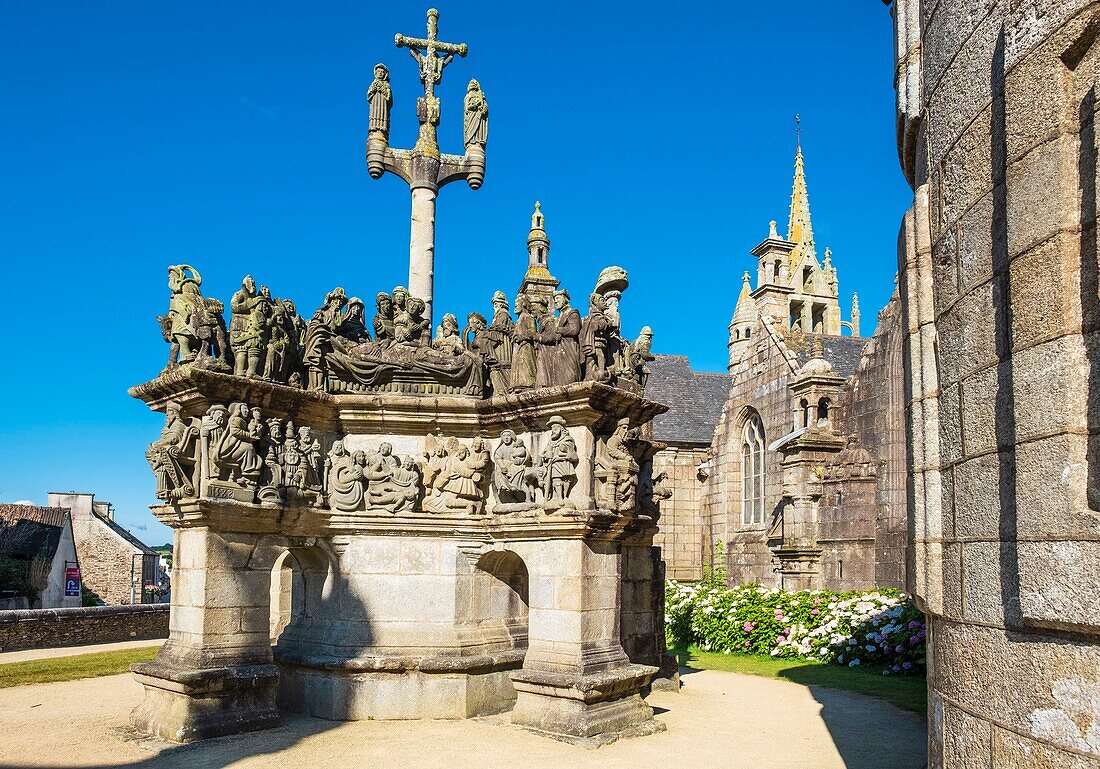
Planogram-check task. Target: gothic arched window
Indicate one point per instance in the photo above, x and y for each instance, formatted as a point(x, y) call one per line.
point(752, 471)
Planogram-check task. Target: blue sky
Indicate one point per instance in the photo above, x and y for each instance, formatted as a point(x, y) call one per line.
point(231, 136)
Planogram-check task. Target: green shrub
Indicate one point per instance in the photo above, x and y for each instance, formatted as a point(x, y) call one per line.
point(878, 628)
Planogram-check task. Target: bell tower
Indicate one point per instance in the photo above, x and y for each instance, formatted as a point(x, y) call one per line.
point(538, 283)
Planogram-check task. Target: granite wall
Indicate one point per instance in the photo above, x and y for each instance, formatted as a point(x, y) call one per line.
point(682, 537)
point(999, 281)
point(41, 628)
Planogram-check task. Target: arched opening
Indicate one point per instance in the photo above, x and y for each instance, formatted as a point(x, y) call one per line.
point(803, 413)
point(287, 593)
point(752, 471)
point(823, 412)
point(503, 599)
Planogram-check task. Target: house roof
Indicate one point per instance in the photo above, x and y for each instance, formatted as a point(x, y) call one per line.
point(31, 531)
point(48, 516)
point(694, 399)
point(137, 543)
point(843, 352)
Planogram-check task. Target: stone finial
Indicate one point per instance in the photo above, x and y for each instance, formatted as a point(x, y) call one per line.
point(817, 363)
point(773, 233)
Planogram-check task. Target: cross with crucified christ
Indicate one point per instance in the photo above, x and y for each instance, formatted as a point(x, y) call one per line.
point(424, 167)
point(431, 63)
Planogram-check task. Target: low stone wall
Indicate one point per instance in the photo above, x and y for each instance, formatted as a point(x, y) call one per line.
point(40, 628)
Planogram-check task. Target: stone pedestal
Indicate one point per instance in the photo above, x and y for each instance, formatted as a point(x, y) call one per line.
point(405, 613)
point(185, 705)
point(594, 708)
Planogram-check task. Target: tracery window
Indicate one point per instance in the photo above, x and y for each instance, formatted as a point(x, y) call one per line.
point(752, 471)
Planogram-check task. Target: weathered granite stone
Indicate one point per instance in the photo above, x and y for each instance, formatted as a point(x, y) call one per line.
point(999, 288)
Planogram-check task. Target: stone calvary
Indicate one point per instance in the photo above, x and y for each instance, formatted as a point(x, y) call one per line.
point(467, 512)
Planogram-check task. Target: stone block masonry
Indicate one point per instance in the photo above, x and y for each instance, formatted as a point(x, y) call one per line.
point(999, 285)
point(80, 626)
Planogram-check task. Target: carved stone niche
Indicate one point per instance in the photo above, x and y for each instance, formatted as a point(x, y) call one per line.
point(408, 530)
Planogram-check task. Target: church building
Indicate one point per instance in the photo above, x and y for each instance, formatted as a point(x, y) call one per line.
point(791, 468)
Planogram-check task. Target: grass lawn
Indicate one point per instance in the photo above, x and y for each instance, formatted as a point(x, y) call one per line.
point(74, 667)
point(905, 692)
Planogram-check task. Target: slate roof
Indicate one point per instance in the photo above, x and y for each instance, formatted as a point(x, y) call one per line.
point(694, 400)
point(137, 543)
point(843, 352)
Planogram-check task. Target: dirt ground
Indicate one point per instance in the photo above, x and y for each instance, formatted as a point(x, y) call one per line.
point(716, 720)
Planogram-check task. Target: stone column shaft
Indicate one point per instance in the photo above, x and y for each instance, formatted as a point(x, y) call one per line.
point(422, 247)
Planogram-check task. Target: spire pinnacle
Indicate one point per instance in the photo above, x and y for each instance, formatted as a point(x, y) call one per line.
point(799, 229)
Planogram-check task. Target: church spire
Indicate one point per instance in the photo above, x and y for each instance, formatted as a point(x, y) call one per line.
point(799, 229)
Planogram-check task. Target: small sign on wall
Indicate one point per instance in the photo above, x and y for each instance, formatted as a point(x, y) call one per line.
point(72, 581)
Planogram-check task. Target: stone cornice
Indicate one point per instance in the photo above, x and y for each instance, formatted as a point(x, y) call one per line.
point(590, 404)
point(306, 522)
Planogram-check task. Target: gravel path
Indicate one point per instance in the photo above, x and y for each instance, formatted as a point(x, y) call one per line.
point(717, 720)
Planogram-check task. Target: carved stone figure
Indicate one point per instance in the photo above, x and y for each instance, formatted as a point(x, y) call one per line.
point(639, 358)
point(617, 471)
point(475, 338)
point(500, 338)
point(310, 447)
point(242, 333)
point(475, 123)
point(651, 493)
point(383, 320)
point(559, 344)
point(278, 345)
point(523, 346)
point(456, 478)
point(271, 489)
point(234, 456)
point(558, 465)
point(392, 485)
point(353, 324)
point(448, 338)
point(514, 483)
point(193, 326)
point(418, 328)
point(346, 478)
point(405, 358)
point(319, 332)
point(172, 456)
point(380, 98)
point(400, 314)
point(595, 334)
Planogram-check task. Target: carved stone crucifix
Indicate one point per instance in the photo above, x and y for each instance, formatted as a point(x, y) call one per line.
point(424, 167)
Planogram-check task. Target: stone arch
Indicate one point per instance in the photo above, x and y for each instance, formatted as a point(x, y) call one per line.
point(287, 593)
point(506, 595)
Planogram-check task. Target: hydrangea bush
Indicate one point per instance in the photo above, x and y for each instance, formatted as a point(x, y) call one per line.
point(880, 629)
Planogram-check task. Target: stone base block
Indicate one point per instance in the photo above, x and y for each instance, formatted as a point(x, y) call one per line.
point(667, 678)
point(358, 691)
point(190, 705)
point(588, 709)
